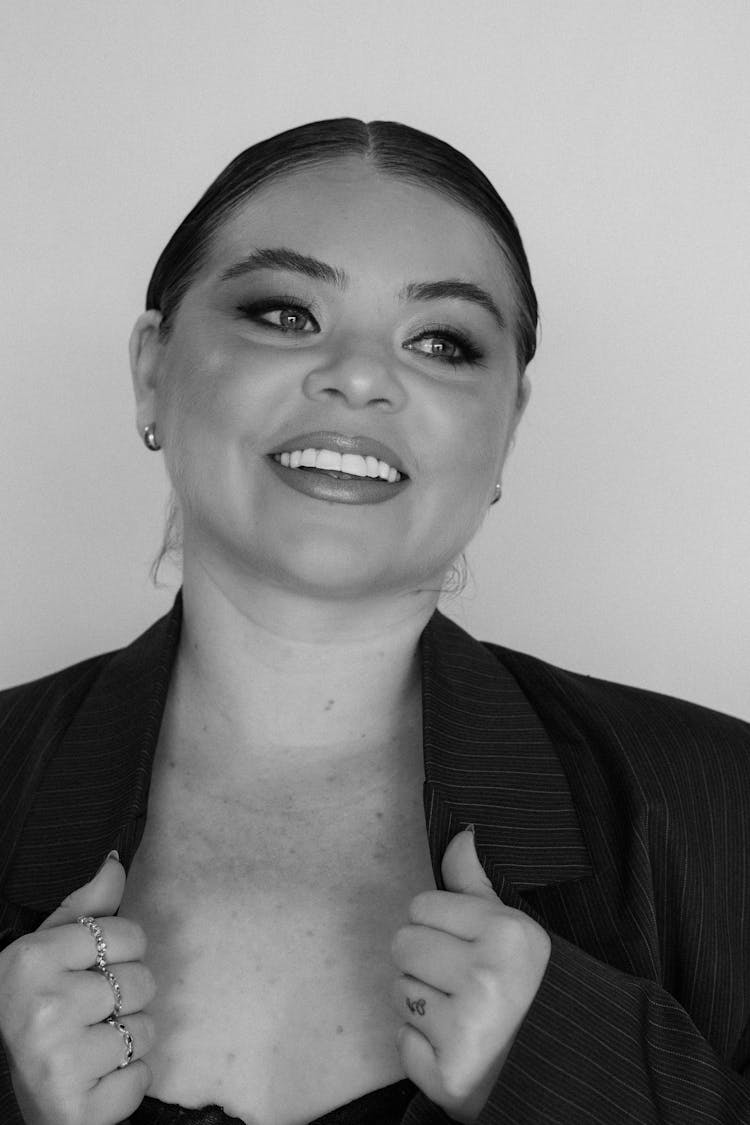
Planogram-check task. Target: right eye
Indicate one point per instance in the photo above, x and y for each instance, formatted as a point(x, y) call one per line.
point(291, 318)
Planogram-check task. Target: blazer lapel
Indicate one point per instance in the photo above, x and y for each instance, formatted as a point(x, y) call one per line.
point(489, 761)
point(101, 762)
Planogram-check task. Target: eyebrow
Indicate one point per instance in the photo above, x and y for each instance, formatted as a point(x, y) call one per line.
point(456, 289)
point(282, 258)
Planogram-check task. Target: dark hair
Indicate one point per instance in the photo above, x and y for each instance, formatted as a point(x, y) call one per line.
point(392, 148)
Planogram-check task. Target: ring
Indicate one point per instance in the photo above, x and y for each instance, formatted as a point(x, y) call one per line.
point(128, 1041)
point(101, 945)
point(113, 981)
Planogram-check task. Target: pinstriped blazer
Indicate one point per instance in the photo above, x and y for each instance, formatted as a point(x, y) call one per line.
point(618, 818)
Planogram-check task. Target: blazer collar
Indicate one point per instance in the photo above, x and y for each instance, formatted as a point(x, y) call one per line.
point(488, 761)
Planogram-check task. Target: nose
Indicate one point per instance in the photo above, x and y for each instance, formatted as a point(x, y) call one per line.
point(359, 375)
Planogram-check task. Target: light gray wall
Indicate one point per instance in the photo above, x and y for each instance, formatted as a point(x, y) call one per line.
point(618, 134)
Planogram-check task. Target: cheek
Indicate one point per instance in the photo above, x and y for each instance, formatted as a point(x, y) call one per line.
point(209, 394)
point(474, 438)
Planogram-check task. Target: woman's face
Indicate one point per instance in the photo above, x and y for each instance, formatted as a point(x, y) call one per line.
point(268, 352)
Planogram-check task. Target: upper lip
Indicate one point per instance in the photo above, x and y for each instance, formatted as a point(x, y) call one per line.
point(341, 443)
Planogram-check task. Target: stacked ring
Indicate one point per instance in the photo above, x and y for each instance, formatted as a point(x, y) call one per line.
point(101, 964)
point(128, 1040)
point(112, 979)
point(96, 932)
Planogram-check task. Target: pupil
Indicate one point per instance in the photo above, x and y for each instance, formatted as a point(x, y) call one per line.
point(289, 318)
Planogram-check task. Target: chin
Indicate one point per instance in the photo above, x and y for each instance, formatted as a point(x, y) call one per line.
point(332, 576)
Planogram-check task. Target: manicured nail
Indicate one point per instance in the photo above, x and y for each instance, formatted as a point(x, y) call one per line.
point(111, 855)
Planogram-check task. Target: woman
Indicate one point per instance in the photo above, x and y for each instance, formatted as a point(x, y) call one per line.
point(332, 363)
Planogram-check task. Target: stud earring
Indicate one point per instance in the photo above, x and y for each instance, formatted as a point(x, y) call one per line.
point(498, 492)
point(149, 437)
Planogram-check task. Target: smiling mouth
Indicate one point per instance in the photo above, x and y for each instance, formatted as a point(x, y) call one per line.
point(347, 466)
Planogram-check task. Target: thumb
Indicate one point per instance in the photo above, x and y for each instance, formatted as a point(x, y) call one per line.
point(461, 870)
point(99, 897)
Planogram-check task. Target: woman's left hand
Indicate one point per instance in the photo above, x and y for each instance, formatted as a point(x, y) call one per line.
point(471, 968)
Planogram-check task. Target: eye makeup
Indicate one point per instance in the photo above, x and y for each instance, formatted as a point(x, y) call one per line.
point(470, 353)
point(256, 310)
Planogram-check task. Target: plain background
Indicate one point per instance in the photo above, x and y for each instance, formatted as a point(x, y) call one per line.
point(618, 133)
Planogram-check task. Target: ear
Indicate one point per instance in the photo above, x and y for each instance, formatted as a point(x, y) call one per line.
point(146, 354)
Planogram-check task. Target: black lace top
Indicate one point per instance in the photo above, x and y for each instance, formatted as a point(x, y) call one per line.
point(380, 1107)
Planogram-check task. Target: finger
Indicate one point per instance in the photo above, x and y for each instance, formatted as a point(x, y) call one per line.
point(104, 1047)
point(73, 946)
point(101, 896)
point(464, 916)
point(437, 958)
point(419, 1061)
point(461, 869)
point(117, 1095)
point(91, 997)
point(424, 1008)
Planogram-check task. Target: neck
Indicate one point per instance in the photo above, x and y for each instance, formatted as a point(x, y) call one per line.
point(297, 678)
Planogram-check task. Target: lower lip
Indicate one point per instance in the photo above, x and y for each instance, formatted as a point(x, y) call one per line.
point(364, 490)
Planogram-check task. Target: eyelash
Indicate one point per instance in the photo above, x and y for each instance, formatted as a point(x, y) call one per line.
point(470, 353)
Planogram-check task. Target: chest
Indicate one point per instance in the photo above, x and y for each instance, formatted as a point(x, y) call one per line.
point(269, 928)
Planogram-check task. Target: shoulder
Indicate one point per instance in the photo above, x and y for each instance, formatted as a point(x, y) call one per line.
point(34, 720)
point(574, 701)
point(35, 716)
point(55, 694)
point(635, 723)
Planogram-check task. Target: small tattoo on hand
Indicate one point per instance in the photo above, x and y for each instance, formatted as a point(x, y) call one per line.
point(417, 1006)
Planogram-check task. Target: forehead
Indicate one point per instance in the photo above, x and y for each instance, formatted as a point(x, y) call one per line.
point(367, 223)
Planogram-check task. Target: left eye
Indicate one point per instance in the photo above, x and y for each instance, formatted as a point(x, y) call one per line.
point(441, 347)
point(286, 318)
point(448, 346)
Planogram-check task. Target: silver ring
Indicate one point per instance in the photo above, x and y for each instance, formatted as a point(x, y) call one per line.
point(127, 1039)
point(115, 984)
point(101, 946)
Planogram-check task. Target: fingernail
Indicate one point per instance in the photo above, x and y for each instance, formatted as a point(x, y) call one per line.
point(469, 828)
point(111, 855)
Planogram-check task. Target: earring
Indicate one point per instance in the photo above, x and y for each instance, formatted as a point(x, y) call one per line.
point(149, 437)
point(498, 493)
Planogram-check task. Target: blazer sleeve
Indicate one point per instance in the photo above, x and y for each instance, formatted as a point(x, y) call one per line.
point(599, 1047)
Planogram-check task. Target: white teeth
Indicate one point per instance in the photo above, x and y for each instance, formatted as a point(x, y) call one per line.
point(351, 463)
point(327, 459)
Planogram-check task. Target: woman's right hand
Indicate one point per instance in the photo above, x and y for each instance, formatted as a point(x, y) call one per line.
point(64, 1060)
